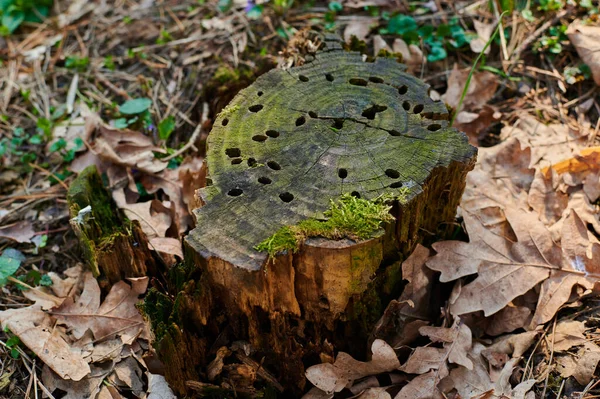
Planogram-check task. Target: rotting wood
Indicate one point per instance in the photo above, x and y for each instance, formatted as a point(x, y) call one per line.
point(278, 154)
point(113, 246)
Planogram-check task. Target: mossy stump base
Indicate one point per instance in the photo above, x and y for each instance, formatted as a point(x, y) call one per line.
point(113, 246)
point(279, 154)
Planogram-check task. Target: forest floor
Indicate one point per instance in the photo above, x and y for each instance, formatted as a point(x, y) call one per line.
point(133, 87)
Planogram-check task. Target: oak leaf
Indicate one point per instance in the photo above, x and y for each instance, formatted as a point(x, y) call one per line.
point(116, 315)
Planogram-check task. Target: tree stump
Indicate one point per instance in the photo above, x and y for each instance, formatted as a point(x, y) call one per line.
point(285, 151)
point(113, 246)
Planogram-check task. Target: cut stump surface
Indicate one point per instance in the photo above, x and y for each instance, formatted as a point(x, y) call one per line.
point(279, 154)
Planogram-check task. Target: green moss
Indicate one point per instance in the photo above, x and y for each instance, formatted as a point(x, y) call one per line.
point(226, 74)
point(350, 217)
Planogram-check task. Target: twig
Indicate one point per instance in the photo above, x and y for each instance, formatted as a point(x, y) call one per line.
point(189, 144)
point(534, 36)
point(48, 173)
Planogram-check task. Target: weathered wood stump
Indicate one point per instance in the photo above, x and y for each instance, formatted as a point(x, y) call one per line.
point(113, 246)
point(287, 159)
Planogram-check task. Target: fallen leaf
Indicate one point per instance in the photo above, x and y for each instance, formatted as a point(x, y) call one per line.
point(425, 359)
point(379, 44)
point(128, 148)
point(585, 39)
point(549, 143)
point(36, 330)
point(116, 315)
point(153, 220)
point(87, 387)
point(158, 387)
point(484, 32)
point(457, 341)
point(567, 334)
point(20, 232)
point(421, 387)
point(506, 269)
point(167, 245)
point(335, 377)
point(359, 27)
point(508, 319)
point(481, 89)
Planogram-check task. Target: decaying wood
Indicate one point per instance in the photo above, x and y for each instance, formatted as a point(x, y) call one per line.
point(278, 154)
point(113, 246)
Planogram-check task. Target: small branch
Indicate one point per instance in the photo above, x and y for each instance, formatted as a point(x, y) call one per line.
point(190, 142)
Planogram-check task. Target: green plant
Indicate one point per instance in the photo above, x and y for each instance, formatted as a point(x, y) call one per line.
point(109, 63)
point(15, 12)
point(553, 41)
point(12, 343)
point(550, 5)
point(436, 38)
point(164, 37)
point(76, 62)
point(166, 127)
point(10, 261)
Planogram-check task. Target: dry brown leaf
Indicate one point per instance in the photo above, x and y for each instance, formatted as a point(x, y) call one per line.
point(379, 44)
point(167, 245)
point(425, 359)
point(568, 333)
point(151, 214)
point(412, 56)
point(374, 393)
point(359, 27)
point(421, 387)
point(580, 365)
point(339, 375)
point(457, 341)
point(402, 319)
point(557, 289)
point(476, 124)
point(116, 315)
point(481, 89)
point(508, 319)
point(586, 39)
point(420, 280)
point(158, 387)
point(484, 31)
point(19, 232)
point(549, 143)
point(36, 330)
point(87, 387)
point(507, 269)
point(128, 148)
point(192, 176)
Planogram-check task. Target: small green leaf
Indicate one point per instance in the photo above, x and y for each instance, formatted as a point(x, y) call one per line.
point(120, 123)
point(135, 106)
point(36, 139)
point(166, 127)
point(58, 145)
point(255, 12)
point(437, 53)
point(8, 267)
point(12, 19)
point(528, 15)
point(401, 24)
point(336, 6)
point(225, 5)
point(46, 281)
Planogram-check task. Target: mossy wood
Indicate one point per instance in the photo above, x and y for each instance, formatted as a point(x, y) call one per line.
point(279, 154)
point(113, 246)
